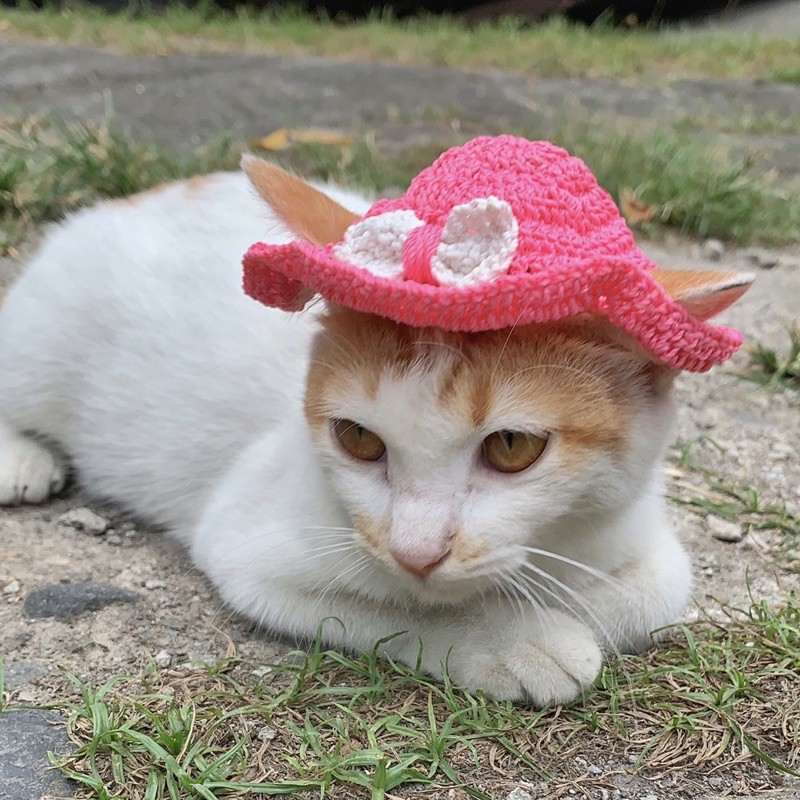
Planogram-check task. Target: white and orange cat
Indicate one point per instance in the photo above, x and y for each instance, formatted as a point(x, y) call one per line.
point(494, 499)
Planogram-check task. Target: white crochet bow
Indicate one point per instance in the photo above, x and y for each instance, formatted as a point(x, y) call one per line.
point(477, 243)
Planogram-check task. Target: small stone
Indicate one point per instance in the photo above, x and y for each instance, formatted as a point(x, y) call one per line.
point(519, 794)
point(11, 588)
point(163, 659)
point(114, 540)
point(632, 759)
point(66, 601)
point(260, 672)
point(763, 259)
point(712, 250)
point(84, 520)
point(267, 734)
point(724, 530)
point(154, 584)
point(594, 770)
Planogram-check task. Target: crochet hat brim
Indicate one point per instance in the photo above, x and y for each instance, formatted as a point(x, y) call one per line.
point(287, 276)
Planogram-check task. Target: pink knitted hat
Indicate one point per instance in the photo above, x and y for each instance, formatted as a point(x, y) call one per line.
point(497, 233)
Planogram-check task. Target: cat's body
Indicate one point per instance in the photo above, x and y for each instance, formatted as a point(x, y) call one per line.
point(130, 343)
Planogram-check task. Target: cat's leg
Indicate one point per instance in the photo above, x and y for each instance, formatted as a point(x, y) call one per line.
point(31, 337)
point(643, 596)
point(29, 472)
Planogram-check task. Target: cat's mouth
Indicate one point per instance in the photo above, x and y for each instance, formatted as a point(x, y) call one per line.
point(440, 587)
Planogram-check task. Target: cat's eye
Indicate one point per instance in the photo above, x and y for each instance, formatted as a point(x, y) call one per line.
point(512, 451)
point(361, 443)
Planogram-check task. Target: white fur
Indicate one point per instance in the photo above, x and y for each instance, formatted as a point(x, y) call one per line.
point(130, 343)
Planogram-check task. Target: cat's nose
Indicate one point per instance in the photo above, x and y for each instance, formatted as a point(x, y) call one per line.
point(421, 563)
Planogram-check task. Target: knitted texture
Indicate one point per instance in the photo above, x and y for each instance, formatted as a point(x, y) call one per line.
point(497, 233)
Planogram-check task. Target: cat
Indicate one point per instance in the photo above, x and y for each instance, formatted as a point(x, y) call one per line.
point(489, 503)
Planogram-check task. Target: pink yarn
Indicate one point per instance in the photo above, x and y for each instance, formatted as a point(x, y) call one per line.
point(569, 252)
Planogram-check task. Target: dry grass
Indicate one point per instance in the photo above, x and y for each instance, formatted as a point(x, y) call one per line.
point(552, 48)
point(773, 369)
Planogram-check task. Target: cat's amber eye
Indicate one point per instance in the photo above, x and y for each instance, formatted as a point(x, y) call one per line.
point(512, 451)
point(361, 443)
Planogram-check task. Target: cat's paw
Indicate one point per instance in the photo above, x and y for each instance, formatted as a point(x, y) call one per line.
point(542, 664)
point(29, 472)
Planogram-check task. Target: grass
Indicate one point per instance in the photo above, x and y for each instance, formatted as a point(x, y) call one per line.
point(49, 167)
point(773, 370)
point(696, 487)
point(555, 47)
point(719, 696)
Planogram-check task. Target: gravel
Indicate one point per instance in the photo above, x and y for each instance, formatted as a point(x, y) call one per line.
point(712, 249)
point(724, 530)
point(84, 520)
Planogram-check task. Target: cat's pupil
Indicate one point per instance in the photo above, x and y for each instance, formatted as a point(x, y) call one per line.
point(509, 438)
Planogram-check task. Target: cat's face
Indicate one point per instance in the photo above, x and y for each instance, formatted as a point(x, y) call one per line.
point(451, 453)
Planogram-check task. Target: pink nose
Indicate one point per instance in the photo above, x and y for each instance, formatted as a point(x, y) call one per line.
point(420, 564)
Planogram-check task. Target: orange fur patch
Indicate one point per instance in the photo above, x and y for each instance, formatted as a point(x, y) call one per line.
point(575, 375)
point(467, 550)
point(375, 534)
point(703, 293)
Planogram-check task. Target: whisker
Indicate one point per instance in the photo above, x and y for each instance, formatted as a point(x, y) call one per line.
point(578, 598)
point(599, 574)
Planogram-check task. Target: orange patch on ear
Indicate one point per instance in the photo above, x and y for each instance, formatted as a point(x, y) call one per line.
point(703, 293)
point(307, 212)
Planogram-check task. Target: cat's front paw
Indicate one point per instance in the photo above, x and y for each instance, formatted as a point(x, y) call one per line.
point(29, 472)
point(541, 662)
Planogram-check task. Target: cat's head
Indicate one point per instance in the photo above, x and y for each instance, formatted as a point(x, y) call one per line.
point(454, 452)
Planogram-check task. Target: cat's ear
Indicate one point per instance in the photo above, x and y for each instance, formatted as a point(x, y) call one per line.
point(307, 212)
point(703, 293)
